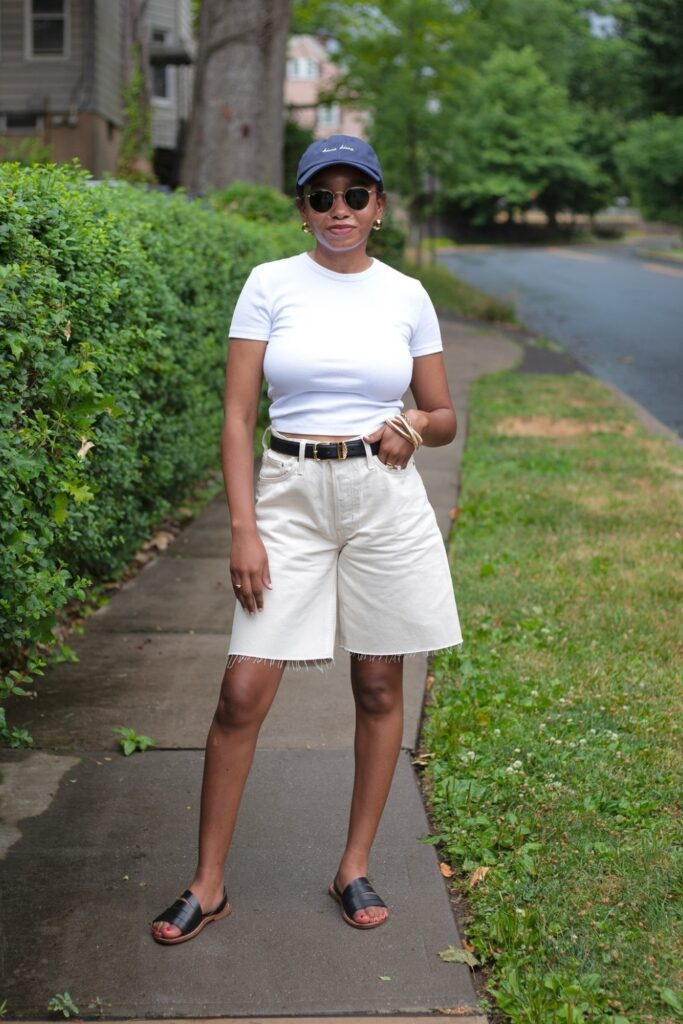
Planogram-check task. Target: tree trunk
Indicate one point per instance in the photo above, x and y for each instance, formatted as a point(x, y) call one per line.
point(236, 127)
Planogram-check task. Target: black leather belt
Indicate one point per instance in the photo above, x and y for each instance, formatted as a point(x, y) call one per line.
point(323, 449)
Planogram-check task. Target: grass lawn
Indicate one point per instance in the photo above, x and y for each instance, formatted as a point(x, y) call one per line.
point(450, 294)
point(674, 255)
point(553, 741)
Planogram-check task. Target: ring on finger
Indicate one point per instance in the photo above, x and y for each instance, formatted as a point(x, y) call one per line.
point(237, 586)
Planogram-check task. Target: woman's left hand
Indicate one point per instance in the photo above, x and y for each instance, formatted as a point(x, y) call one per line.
point(394, 451)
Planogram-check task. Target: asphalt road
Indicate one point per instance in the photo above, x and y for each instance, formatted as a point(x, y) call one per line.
point(618, 312)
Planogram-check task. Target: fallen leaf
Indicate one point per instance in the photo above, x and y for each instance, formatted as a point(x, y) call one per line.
point(455, 955)
point(384, 977)
point(446, 870)
point(468, 946)
point(161, 540)
point(429, 682)
point(462, 1010)
point(86, 445)
point(477, 875)
point(454, 512)
point(67, 330)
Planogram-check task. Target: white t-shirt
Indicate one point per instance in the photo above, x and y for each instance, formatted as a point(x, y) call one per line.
point(340, 346)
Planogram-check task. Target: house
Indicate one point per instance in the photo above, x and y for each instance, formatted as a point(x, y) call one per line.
point(310, 72)
point(63, 67)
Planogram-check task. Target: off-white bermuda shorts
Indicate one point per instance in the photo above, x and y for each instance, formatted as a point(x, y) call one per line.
point(356, 558)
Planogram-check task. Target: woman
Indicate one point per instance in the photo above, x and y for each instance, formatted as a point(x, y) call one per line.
point(342, 531)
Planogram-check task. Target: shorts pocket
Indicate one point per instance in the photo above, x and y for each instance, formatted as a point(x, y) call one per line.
point(393, 472)
point(275, 466)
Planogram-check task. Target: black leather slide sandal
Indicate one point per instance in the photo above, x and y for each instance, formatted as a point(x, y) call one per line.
point(357, 895)
point(186, 914)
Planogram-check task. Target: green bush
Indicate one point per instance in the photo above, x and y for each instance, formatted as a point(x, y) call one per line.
point(651, 162)
point(255, 202)
point(115, 304)
point(25, 151)
point(388, 244)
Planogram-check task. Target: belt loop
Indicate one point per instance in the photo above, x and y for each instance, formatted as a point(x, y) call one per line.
point(268, 430)
point(302, 458)
point(368, 454)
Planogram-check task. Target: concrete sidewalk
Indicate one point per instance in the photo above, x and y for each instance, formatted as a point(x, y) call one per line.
point(95, 844)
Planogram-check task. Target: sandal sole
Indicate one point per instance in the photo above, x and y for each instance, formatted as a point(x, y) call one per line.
point(191, 935)
point(349, 920)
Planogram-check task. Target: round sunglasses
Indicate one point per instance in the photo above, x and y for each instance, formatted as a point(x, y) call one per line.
point(357, 198)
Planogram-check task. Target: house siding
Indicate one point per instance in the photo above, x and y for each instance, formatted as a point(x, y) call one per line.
point(32, 86)
point(175, 18)
point(108, 82)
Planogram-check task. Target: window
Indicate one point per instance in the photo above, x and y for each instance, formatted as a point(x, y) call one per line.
point(162, 74)
point(21, 123)
point(302, 68)
point(328, 117)
point(47, 29)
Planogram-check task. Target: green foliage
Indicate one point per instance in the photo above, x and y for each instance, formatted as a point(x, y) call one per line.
point(651, 161)
point(25, 151)
point(519, 136)
point(553, 735)
point(655, 30)
point(135, 150)
point(99, 1005)
point(63, 1004)
point(114, 309)
point(297, 139)
point(554, 29)
point(389, 243)
point(255, 202)
point(130, 740)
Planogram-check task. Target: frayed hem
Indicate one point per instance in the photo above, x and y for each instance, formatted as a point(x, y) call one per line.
point(284, 663)
point(428, 652)
point(393, 658)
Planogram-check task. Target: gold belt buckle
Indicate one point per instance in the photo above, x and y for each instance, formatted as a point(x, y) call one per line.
point(342, 449)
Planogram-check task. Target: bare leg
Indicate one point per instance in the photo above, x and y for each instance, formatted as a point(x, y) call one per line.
point(378, 693)
point(247, 691)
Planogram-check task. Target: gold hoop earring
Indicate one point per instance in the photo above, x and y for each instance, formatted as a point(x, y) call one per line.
point(305, 228)
point(377, 225)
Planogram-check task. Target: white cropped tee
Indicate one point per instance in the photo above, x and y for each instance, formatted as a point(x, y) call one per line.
point(340, 347)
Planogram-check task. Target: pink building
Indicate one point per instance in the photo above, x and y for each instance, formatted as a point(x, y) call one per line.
point(311, 71)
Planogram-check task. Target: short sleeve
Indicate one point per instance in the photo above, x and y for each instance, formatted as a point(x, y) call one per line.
point(251, 318)
point(426, 337)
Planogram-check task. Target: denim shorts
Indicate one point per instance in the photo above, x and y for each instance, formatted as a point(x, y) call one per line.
point(356, 559)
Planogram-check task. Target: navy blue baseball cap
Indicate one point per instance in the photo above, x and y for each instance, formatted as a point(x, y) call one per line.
point(338, 149)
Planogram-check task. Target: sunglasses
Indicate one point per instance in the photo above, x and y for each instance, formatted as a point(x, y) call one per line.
point(357, 198)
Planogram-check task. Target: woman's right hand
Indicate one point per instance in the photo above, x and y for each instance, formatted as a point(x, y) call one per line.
point(249, 570)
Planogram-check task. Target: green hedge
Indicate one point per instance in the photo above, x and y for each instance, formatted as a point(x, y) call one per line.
point(115, 304)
